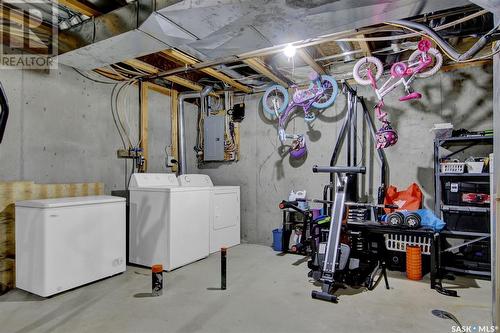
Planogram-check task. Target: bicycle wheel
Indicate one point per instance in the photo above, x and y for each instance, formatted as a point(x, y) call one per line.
point(437, 61)
point(329, 95)
point(276, 96)
point(361, 68)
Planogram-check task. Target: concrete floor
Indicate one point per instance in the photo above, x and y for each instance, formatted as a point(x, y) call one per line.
point(266, 293)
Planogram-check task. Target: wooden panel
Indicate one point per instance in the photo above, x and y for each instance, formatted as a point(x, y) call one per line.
point(174, 111)
point(7, 274)
point(159, 89)
point(10, 192)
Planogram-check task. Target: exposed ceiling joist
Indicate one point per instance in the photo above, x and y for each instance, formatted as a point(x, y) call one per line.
point(188, 60)
point(365, 47)
point(150, 69)
point(308, 59)
point(114, 76)
point(260, 67)
point(80, 7)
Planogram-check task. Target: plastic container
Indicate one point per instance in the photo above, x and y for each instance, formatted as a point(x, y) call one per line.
point(156, 280)
point(277, 239)
point(400, 243)
point(452, 167)
point(467, 221)
point(455, 192)
point(474, 167)
point(316, 213)
point(413, 263)
point(442, 130)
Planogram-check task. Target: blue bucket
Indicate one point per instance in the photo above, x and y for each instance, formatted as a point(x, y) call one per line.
point(277, 237)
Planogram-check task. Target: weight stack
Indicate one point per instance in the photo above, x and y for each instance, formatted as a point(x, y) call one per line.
point(358, 215)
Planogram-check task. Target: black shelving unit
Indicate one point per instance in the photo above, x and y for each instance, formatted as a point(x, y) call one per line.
point(458, 145)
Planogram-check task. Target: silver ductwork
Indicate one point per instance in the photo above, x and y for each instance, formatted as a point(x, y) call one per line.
point(128, 32)
point(223, 28)
point(454, 54)
point(181, 127)
point(346, 48)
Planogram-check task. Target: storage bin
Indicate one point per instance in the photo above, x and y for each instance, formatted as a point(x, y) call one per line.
point(467, 221)
point(277, 239)
point(454, 191)
point(452, 167)
point(443, 130)
point(474, 167)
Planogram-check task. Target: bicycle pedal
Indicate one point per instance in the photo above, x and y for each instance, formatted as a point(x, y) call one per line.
point(410, 96)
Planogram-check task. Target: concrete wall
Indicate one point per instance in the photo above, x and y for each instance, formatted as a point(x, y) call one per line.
point(463, 98)
point(61, 129)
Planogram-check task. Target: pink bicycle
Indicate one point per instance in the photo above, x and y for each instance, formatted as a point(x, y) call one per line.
point(320, 94)
point(424, 62)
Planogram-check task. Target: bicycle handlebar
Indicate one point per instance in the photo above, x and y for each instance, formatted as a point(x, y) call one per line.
point(295, 206)
point(330, 169)
point(287, 204)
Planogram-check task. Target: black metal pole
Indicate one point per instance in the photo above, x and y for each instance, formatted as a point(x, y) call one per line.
point(223, 253)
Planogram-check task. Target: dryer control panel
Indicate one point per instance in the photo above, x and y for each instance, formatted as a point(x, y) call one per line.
point(191, 180)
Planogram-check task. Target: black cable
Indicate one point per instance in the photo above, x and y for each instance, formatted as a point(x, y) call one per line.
point(91, 79)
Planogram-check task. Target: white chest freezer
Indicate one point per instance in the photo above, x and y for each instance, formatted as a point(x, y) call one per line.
point(169, 224)
point(225, 214)
point(68, 242)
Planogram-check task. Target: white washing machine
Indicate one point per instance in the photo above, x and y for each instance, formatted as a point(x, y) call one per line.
point(225, 215)
point(64, 243)
point(168, 223)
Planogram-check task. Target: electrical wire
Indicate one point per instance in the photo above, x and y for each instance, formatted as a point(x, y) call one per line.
point(93, 80)
point(117, 125)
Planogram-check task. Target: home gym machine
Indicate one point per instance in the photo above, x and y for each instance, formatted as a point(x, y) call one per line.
point(346, 257)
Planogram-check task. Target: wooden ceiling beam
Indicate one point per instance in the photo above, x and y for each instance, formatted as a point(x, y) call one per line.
point(365, 47)
point(261, 67)
point(188, 60)
point(309, 60)
point(80, 7)
point(150, 69)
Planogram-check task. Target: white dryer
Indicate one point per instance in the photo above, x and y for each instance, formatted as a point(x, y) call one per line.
point(168, 223)
point(225, 214)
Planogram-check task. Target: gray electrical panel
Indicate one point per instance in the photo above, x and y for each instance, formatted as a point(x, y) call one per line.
point(213, 138)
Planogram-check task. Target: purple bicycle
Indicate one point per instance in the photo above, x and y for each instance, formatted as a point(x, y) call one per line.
point(320, 94)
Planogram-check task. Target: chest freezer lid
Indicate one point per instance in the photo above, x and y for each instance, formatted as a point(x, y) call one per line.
point(153, 181)
point(69, 201)
point(195, 180)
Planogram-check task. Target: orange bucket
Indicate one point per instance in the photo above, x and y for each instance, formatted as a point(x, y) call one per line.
point(413, 262)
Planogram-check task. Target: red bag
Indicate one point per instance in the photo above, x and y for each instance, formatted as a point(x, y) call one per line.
point(409, 199)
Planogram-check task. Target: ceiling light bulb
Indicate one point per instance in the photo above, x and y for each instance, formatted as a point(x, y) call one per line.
point(289, 51)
